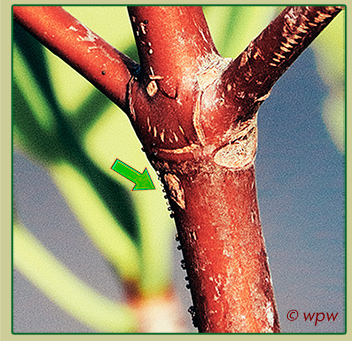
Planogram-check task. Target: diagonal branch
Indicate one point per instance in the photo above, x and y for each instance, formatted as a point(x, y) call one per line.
point(101, 64)
point(268, 56)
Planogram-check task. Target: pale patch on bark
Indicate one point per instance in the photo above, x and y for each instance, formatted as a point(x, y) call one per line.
point(206, 78)
point(148, 123)
point(176, 190)
point(203, 35)
point(264, 97)
point(211, 69)
point(258, 53)
point(162, 135)
point(270, 314)
point(90, 36)
point(192, 148)
point(152, 88)
point(321, 17)
point(244, 59)
point(155, 77)
point(284, 49)
point(176, 137)
point(241, 151)
point(143, 27)
point(130, 104)
point(181, 130)
point(72, 28)
point(196, 121)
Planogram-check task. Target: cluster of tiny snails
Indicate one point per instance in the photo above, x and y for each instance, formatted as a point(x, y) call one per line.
point(191, 309)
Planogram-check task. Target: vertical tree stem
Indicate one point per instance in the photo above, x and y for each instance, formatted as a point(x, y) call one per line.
point(218, 224)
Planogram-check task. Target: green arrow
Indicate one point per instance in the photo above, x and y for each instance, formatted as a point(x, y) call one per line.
point(142, 180)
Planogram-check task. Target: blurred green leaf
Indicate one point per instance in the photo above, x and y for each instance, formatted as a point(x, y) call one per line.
point(234, 27)
point(90, 133)
point(329, 48)
point(34, 57)
point(65, 289)
point(34, 103)
point(97, 220)
point(27, 132)
point(32, 92)
point(113, 137)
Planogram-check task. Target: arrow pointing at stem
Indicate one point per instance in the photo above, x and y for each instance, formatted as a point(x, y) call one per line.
point(142, 180)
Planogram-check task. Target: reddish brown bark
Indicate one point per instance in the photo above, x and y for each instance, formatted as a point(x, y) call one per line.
point(224, 250)
point(162, 97)
point(195, 113)
point(269, 55)
point(204, 148)
point(211, 185)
